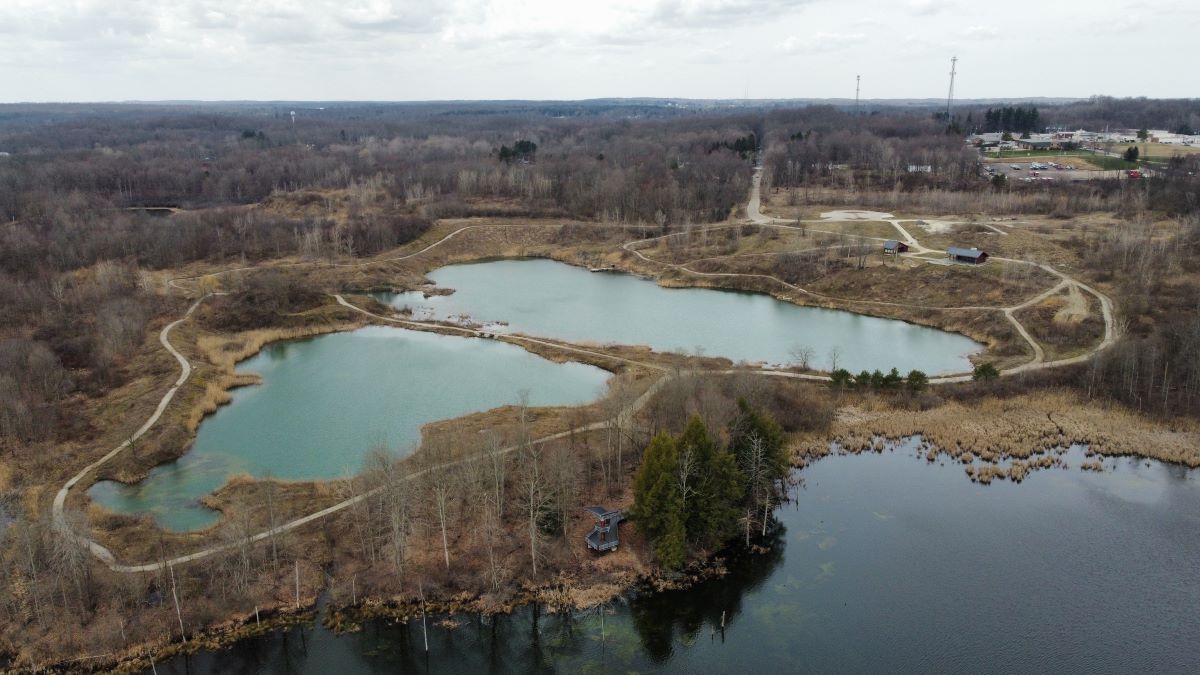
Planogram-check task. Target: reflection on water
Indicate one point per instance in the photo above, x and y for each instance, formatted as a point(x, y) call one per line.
point(664, 620)
point(884, 563)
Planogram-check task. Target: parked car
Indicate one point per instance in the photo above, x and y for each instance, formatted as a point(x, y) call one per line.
point(1015, 167)
point(1134, 173)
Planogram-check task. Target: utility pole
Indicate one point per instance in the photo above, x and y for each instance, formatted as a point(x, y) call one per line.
point(950, 96)
point(857, 86)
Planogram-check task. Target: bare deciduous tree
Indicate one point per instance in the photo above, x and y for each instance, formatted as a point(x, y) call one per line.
point(801, 356)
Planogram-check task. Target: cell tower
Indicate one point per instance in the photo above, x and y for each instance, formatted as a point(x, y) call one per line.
point(857, 85)
point(950, 96)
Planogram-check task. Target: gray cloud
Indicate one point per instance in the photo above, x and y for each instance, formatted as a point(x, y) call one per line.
point(420, 49)
point(928, 7)
point(821, 42)
point(719, 13)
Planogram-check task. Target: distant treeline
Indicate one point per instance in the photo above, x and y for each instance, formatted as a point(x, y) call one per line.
point(1016, 119)
point(1095, 114)
point(813, 146)
point(635, 169)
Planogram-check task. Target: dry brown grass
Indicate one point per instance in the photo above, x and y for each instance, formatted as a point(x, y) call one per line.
point(1155, 150)
point(224, 352)
point(216, 394)
point(915, 283)
point(1065, 324)
point(1021, 243)
point(919, 203)
point(1021, 429)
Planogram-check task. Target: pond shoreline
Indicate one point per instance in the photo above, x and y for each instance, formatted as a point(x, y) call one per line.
point(446, 616)
point(409, 340)
point(343, 619)
point(561, 275)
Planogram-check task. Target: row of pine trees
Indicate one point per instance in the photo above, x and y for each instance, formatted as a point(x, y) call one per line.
point(692, 491)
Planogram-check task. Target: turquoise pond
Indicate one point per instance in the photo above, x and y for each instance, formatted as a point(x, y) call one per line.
point(325, 402)
point(552, 299)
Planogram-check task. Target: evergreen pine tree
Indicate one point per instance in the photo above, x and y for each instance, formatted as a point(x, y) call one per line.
point(710, 517)
point(724, 490)
point(656, 501)
point(695, 445)
point(752, 423)
point(671, 545)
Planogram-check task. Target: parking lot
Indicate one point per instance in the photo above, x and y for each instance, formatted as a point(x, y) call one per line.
point(1023, 170)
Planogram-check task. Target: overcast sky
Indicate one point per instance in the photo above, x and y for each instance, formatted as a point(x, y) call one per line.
point(99, 50)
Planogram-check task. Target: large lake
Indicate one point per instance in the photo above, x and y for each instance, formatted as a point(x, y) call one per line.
point(884, 563)
point(326, 401)
point(552, 299)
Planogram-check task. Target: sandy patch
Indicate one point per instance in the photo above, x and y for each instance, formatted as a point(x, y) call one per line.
point(936, 226)
point(1075, 307)
point(855, 215)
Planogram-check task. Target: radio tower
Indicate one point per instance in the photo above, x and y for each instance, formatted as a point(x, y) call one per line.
point(950, 96)
point(857, 84)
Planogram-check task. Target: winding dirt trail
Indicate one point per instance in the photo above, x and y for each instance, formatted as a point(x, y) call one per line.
point(60, 498)
point(755, 215)
point(624, 417)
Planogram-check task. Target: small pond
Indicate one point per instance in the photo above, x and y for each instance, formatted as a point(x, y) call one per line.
point(552, 299)
point(325, 402)
point(883, 563)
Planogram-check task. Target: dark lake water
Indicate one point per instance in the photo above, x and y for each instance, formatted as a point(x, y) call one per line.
point(882, 564)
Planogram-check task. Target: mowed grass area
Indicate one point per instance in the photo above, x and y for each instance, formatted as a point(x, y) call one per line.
point(1002, 154)
point(1110, 163)
point(1156, 150)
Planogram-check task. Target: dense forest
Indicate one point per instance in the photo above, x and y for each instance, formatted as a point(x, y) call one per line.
point(911, 151)
point(1018, 119)
point(621, 170)
point(1101, 112)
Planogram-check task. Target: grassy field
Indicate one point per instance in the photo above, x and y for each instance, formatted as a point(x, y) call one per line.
point(1110, 163)
point(1001, 154)
point(1076, 157)
point(1155, 150)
